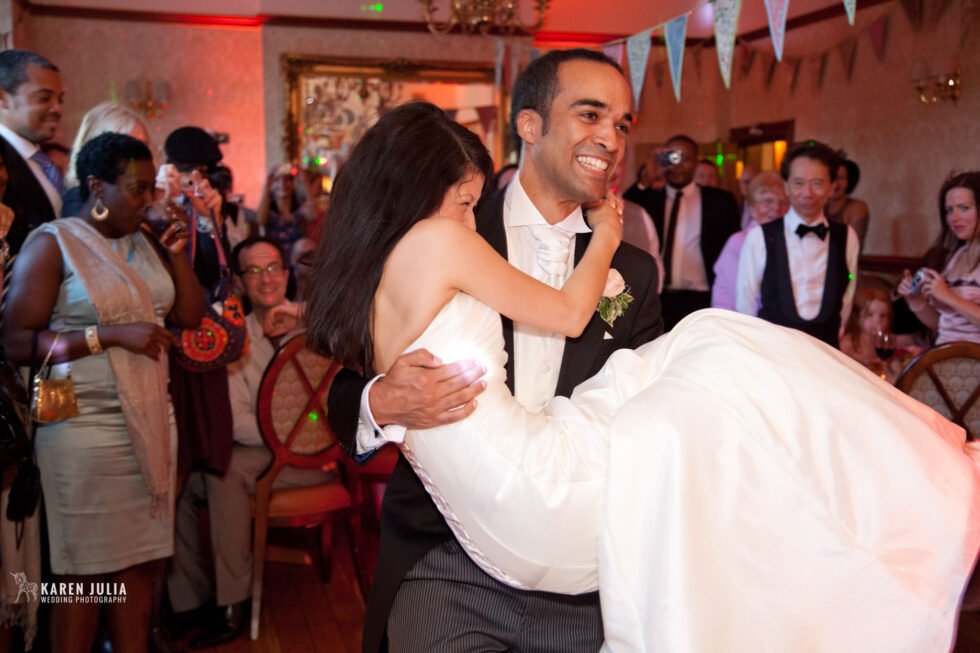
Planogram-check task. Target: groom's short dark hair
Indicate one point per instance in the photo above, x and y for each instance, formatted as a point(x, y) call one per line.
point(535, 87)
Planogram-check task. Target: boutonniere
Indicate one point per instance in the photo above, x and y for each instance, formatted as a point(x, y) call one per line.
point(616, 297)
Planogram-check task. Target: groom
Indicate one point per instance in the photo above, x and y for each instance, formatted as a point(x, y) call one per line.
point(571, 110)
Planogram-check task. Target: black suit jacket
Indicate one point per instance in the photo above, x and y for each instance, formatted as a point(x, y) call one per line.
point(720, 218)
point(25, 196)
point(411, 525)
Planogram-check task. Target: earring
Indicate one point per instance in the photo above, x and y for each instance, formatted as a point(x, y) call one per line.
point(99, 211)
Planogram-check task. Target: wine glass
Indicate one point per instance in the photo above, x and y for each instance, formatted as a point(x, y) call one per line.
point(885, 344)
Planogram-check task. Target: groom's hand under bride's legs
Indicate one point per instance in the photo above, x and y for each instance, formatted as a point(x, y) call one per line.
point(419, 392)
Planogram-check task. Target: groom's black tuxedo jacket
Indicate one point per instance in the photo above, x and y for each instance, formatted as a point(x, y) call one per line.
point(24, 195)
point(411, 525)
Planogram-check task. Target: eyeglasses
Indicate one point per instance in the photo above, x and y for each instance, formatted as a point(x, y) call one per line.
point(255, 271)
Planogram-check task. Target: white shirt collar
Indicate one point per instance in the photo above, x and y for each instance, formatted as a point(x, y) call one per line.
point(793, 220)
point(24, 147)
point(521, 212)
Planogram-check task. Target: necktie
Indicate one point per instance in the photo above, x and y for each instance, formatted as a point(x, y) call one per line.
point(669, 239)
point(552, 250)
point(819, 230)
point(50, 171)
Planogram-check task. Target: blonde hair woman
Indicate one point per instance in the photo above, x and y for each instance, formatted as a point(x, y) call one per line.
point(103, 117)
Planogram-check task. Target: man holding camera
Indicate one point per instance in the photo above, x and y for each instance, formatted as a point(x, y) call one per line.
point(800, 271)
point(693, 223)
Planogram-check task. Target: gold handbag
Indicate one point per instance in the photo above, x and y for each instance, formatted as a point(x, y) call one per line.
point(52, 400)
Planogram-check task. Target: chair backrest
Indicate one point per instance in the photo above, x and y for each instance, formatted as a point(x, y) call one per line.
point(947, 379)
point(291, 407)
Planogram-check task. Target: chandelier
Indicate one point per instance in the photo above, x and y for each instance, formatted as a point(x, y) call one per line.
point(484, 16)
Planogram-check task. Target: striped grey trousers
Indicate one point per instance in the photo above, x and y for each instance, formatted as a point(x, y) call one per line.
point(447, 604)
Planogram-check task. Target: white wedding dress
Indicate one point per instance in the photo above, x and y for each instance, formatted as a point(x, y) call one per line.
point(733, 486)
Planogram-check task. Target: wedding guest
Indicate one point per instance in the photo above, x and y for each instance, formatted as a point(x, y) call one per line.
point(843, 208)
point(706, 174)
point(92, 293)
point(766, 201)
point(259, 264)
point(239, 222)
point(282, 214)
point(748, 172)
point(103, 117)
point(872, 314)
point(949, 302)
point(31, 102)
point(799, 271)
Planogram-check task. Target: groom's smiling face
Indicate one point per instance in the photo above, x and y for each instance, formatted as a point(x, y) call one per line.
point(577, 146)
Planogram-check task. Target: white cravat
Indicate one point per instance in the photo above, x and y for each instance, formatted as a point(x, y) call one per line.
point(545, 252)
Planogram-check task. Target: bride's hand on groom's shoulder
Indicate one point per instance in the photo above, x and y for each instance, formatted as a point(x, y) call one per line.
point(419, 392)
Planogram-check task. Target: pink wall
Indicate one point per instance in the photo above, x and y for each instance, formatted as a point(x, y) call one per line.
point(215, 77)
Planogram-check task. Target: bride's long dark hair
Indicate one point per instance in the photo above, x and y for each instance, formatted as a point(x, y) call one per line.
point(397, 175)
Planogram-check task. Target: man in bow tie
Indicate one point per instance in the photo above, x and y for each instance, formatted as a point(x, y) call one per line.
point(800, 271)
point(31, 100)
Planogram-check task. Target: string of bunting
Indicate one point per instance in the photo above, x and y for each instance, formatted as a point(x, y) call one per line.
point(634, 51)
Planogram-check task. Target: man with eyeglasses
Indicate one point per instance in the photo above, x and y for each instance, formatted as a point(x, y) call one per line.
point(258, 262)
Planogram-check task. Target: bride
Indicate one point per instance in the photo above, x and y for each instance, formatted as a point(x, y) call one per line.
point(731, 486)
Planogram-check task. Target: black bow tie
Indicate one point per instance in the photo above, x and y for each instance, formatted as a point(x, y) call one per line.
point(819, 230)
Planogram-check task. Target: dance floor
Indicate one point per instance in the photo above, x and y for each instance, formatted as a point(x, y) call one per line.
point(302, 615)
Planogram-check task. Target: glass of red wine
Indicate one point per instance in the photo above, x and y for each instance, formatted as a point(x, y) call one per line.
point(885, 345)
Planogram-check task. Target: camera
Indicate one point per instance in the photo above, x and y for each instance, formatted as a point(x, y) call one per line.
point(915, 286)
point(187, 183)
point(671, 157)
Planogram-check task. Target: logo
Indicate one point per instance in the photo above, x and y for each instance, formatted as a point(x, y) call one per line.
point(68, 592)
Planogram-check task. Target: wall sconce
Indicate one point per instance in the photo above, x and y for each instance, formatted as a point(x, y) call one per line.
point(149, 98)
point(939, 88)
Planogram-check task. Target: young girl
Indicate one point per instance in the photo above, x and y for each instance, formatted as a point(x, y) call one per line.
point(872, 314)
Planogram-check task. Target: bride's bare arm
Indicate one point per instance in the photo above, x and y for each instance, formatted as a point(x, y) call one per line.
point(467, 263)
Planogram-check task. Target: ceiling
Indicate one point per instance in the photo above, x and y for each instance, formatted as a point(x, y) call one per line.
point(586, 17)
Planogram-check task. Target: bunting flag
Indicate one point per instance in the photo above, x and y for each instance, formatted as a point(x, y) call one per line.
point(615, 51)
point(822, 68)
point(748, 58)
point(726, 24)
point(675, 33)
point(498, 63)
point(850, 6)
point(848, 48)
point(795, 77)
point(777, 10)
point(773, 64)
point(638, 52)
point(658, 73)
point(488, 116)
point(877, 32)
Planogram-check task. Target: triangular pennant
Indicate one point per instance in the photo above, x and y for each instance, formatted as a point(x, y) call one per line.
point(850, 6)
point(658, 73)
point(615, 51)
point(675, 34)
point(877, 31)
point(777, 10)
point(498, 63)
point(638, 52)
point(848, 48)
point(822, 69)
point(795, 77)
point(770, 69)
point(488, 116)
point(748, 58)
point(726, 24)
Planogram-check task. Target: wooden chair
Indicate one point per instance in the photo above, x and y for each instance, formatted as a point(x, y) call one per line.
point(292, 420)
point(947, 379)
